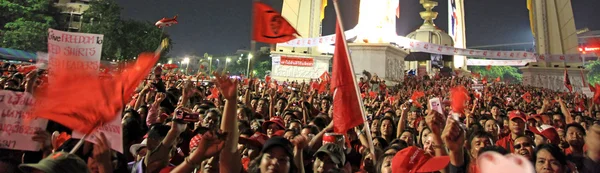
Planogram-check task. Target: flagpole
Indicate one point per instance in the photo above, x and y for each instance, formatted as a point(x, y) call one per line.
point(252, 42)
point(362, 106)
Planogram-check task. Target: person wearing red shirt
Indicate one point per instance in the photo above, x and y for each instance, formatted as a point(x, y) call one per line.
point(517, 128)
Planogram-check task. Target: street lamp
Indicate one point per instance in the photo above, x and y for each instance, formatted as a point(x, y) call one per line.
point(186, 61)
point(249, 59)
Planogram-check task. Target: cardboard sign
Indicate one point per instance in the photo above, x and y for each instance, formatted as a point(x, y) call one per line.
point(112, 130)
point(17, 125)
point(74, 51)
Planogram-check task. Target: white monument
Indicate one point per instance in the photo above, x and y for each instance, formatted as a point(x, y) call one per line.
point(553, 28)
point(294, 63)
point(372, 50)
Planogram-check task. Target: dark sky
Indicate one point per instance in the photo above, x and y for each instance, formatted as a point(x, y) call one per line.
point(223, 26)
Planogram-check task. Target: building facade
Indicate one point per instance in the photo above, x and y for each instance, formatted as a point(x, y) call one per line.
point(72, 13)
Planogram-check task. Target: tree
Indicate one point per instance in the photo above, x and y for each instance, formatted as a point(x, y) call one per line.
point(123, 39)
point(24, 24)
point(507, 73)
point(593, 76)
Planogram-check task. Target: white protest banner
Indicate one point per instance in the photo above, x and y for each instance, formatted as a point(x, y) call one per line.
point(112, 130)
point(484, 62)
point(17, 125)
point(70, 46)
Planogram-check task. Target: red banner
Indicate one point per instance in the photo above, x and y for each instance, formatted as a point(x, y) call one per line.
point(296, 61)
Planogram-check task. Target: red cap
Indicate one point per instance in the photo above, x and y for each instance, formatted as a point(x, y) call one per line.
point(257, 140)
point(548, 132)
point(277, 120)
point(515, 114)
point(414, 160)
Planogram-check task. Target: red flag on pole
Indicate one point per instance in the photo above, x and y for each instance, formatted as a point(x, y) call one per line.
point(83, 101)
point(596, 97)
point(567, 81)
point(347, 112)
point(270, 26)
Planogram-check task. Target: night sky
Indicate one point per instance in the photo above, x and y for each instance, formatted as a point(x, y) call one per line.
point(223, 26)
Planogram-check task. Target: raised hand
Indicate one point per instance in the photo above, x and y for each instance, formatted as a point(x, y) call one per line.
point(435, 122)
point(44, 138)
point(453, 135)
point(210, 145)
point(227, 87)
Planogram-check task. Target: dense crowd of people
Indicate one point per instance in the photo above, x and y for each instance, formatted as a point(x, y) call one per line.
point(183, 124)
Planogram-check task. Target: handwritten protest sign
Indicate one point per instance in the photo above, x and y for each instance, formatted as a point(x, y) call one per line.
point(17, 125)
point(74, 51)
point(112, 130)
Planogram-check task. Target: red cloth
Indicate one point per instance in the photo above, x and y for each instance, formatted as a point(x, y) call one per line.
point(270, 26)
point(347, 113)
point(567, 81)
point(82, 101)
point(507, 143)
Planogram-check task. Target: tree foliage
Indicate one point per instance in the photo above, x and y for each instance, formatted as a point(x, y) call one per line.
point(593, 75)
point(24, 24)
point(123, 39)
point(506, 73)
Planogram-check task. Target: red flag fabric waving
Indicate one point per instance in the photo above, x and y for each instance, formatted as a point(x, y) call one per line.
point(84, 101)
point(270, 26)
point(488, 67)
point(567, 81)
point(498, 79)
point(459, 96)
point(415, 98)
point(527, 97)
point(347, 112)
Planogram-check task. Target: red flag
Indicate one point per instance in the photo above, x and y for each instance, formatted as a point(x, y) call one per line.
point(347, 112)
point(527, 97)
point(488, 67)
point(567, 81)
point(372, 94)
point(415, 98)
point(324, 76)
point(484, 80)
point(268, 79)
point(84, 101)
point(270, 26)
point(214, 93)
point(459, 96)
point(498, 79)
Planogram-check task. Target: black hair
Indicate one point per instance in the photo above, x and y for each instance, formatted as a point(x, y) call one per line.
point(13, 165)
point(478, 134)
point(243, 125)
point(158, 131)
point(382, 142)
point(254, 166)
point(380, 160)
point(577, 126)
point(493, 148)
point(313, 129)
point(554, 150)
point(320, 122)
point(392, 123)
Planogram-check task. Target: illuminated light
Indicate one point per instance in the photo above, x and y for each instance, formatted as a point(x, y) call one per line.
point(377, 21)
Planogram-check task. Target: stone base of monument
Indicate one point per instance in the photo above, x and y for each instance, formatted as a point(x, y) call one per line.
point(553, 78)
point(293, 71)
point(385, 60)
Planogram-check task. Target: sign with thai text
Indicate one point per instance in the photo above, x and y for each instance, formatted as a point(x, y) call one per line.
point(297, 61)
point(113, 132)
point(17, 125)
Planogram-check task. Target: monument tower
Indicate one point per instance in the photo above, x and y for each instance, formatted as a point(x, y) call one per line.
point(553, 28)
point(306, 17)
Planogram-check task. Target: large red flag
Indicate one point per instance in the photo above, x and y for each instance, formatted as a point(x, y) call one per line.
point(567, 81)
point(346, 104)
point(270, 26)
point(82, 101)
